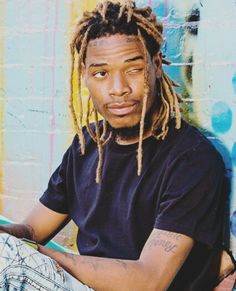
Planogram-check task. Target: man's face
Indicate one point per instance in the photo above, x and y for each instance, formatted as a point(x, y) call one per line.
point(114, 74)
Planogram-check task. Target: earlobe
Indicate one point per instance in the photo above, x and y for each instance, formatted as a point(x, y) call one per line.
point(82, 70)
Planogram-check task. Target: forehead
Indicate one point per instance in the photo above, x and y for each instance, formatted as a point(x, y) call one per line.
point(113, 48)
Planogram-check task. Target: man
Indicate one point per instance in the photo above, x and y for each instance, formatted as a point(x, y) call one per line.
point(145, 188)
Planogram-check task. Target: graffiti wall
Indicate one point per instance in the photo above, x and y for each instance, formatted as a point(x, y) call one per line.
point(199, 41)
point(35, 124)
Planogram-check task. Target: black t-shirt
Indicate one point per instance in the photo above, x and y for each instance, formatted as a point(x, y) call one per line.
point(180, 189)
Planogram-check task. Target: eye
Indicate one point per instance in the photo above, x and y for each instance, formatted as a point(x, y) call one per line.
point(100, 74)
point(135, 71)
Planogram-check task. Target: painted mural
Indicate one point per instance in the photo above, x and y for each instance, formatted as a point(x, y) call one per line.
point(200, 45)
point(35, 124)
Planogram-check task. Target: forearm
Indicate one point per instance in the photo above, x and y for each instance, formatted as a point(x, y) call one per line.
point(18, 230)
point(102, 273)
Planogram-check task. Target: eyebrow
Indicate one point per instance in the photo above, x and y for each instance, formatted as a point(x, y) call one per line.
point(126, 61)
point(134, 59)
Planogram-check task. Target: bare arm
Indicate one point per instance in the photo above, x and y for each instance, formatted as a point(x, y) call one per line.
point(18, 230)
point(40, 225)
point(161, 258)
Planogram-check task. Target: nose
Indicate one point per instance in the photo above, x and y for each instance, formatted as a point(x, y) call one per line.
point(119, 86)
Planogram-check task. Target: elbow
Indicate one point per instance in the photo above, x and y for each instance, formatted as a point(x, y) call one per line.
point(148, 280)
point(151, 284)
point(148, 285)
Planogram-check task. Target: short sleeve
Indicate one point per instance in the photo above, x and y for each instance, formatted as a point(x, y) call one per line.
point(55, 196)
point(191, 203)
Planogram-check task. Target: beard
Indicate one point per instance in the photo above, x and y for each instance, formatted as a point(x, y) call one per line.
point(131, 132)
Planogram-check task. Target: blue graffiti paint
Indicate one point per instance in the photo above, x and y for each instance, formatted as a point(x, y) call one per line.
point(233, 223)
point(173, 44)
point(221, 118)
point(234, 82)
point(233, 154)
point(160, 10)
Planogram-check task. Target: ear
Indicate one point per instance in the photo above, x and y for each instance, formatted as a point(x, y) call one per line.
point(83, 72)
point(82, 69)
point(157, 61)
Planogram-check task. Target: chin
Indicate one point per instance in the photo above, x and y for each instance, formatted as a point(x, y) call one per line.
point(124, 122)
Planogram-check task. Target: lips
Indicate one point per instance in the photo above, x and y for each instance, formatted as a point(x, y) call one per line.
point(122, 108)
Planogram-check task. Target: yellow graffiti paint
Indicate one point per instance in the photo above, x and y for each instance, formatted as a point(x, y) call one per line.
point(77, 9)
point(2, 10)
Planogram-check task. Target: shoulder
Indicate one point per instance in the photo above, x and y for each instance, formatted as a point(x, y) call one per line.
point(191, 144)
point(89, 142)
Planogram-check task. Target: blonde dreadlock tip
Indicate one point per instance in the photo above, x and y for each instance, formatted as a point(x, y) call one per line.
point(178, 124)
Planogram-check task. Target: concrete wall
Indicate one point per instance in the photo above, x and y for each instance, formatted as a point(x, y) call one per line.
point(35, 125)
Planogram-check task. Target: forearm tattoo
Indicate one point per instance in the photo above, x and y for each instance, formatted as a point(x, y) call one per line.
point(121, 263)
point(72, 258)
point(94, 263)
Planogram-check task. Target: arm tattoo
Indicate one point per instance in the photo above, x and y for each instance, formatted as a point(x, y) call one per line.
point(96, 263)
point(167, 241)
point(92, 262)
point(122, 264)
point(172, 235)
point(71, 257)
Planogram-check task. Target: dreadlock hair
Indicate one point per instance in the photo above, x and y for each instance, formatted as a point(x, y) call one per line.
point(110, 18)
